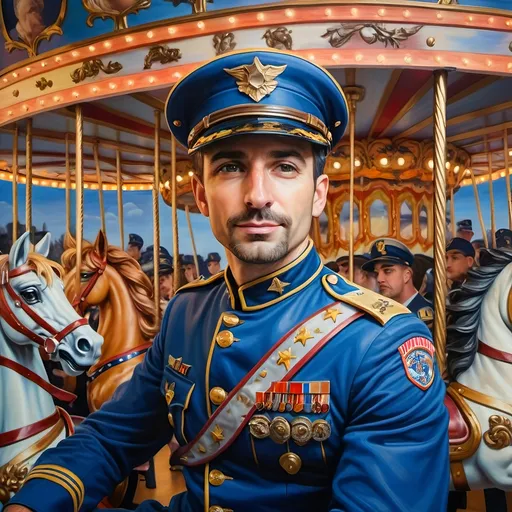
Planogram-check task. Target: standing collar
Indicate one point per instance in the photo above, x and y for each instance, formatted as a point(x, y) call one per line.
point(410, 299)
point(278, 285)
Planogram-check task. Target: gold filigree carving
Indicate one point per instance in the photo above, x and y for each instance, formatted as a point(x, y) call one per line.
point(279, 38)
point(43, 84)
point(92, 68)
point(448, 2)
point(162, 54)
point(224, 42)
point(12, 477)
point(116, 10)
point(197, 5)
point(499, 435)
point(370, 33)
point(256, 80)
point(16, 93)
point(34, 32)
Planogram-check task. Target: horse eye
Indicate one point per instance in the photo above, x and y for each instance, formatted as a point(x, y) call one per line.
point(31, 296)
point(84, 276)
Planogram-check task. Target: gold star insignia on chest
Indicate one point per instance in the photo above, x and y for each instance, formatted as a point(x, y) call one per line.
point(303, 336)
point(332, 313)
point(285, 358)
point(217, 434)
point(256, 80)
point(277, 286)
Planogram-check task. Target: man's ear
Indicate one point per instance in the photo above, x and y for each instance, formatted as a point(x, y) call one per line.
point(200, 196)
point(471, 261)
point(320, 198)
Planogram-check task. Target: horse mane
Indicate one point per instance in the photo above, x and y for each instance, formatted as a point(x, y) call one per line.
point(464, 309)
point(42, 266)
point(138, 284)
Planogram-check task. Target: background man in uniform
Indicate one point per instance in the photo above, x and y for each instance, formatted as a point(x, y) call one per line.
point(213, 263)
point(286, 389)
point(504, 238)
point(460, 258)
point(392, 260)
point(190, 269)
point(165, 271)
point(135, 244)
point(361, 277)
point(465, 229)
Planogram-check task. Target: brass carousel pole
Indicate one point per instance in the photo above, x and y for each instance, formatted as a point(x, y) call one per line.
point(507, 177)
point(440, 287)
point(479, 209)
point(28, 175)
point(15, 185)
point(68, 186)
point(190, 230)
point(452, 212)
point(79, 180)
point(156, 218)
point(491, 197)
point(174, 201)
point(100, 187)
point(120, 212)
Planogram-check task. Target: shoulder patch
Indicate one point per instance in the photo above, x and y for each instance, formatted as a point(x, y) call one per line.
point(381, 308)
point(418, 358)
point(201, 282)
point(426, 314)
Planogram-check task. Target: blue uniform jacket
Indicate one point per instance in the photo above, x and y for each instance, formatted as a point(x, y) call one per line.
point(388, 450)
point(422, 308)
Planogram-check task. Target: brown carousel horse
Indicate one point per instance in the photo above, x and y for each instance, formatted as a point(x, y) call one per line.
point(115, 283)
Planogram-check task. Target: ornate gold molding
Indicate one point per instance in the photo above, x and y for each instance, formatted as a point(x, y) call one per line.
point(499, 435)
point(224, 42)
point(162, 54)
point(91, 68)
point(31, 46)
point(118, 16)
point(278, 38)
point(43, 83)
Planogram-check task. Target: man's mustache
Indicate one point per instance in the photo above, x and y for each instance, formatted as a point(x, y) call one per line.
point(259, 214)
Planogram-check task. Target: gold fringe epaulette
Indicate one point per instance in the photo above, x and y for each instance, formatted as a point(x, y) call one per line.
point(381, 308)
point(201, 282)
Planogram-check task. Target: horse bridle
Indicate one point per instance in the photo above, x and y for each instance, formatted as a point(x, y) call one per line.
point(79, 300)
point(49, 343)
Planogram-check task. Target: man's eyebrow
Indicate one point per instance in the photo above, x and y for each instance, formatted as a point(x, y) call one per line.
point(229, 155)
point(287, 153)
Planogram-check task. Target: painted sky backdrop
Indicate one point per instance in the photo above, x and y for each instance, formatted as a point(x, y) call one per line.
point(49, 207)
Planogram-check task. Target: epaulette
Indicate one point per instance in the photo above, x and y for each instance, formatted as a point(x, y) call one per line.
point(426, 314)
point(201, 282)
point(381, 308)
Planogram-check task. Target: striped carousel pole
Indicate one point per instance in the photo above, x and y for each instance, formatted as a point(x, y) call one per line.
point(79, 179)
point(156, 218)
point(15, 184)
point(440, 286)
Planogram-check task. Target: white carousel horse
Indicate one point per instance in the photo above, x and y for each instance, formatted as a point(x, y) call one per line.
point(34, 314)
point(479, 350)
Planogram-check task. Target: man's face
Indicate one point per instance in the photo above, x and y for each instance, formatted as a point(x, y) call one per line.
point(213, 267)
point(467, 235)
point(190, 273)
point(134, 251)
point(166, 286)
point(260, 195)
point(391, 279)
point(458, 265)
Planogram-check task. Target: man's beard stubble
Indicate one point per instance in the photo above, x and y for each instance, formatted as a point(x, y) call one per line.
point(245, 251)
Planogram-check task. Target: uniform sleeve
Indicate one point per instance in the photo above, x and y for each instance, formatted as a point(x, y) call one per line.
point(395, 446)
point(126, 432)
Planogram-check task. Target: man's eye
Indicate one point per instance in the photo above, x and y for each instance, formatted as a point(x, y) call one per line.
point(286, 168)
point(30, 296)
point(230, 168)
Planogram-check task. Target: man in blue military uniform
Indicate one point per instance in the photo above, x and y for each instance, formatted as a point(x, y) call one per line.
point(392, 261)
point(213, 263)
point(460, 258)
point(287, 387)
point(135, 244)
point(465, 229)
point(504, 238)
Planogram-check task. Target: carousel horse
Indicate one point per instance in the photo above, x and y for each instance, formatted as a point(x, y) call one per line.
point(115, 283)
point(35, 315)
point(479, 397)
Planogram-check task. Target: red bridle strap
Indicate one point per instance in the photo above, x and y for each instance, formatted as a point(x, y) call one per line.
point(59, 394)
point(20, 434)
point(82, 295)
point(494, 353)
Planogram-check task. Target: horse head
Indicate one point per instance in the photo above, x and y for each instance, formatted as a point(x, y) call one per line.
point(35, 309)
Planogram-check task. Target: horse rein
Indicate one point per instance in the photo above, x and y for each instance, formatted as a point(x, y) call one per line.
point(79, 300)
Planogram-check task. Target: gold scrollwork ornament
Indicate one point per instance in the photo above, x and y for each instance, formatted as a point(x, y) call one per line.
point(499, 435)
point(279, 38)
point(92, 68)
point(12, 477)
point(43, 83)
point(224, 42)
point(31, 31)
point(116, 10)
point(162, 54)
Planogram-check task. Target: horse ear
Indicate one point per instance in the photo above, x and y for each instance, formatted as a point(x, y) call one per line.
point(19, 252)
point(69, 241)
point(43, 246)
point(101, 245)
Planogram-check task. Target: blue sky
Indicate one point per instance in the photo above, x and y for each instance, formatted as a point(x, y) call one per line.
point(49, 207)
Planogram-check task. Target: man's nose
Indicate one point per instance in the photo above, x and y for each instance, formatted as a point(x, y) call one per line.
point(258, 192)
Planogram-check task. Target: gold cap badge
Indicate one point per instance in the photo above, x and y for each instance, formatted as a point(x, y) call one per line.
point(381, 246)
point(256, 80)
